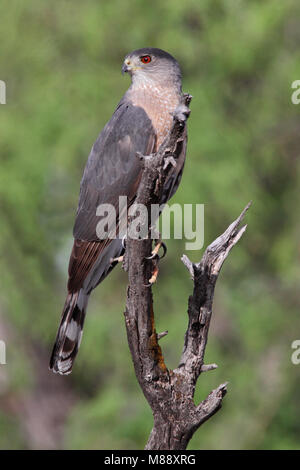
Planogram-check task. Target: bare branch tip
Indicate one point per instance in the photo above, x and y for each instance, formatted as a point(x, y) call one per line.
point(208, 367)
point(223, 386)
point(170, 160)
point(237, 235)
point(188, 264)
point(242, 215)
point(161, 335)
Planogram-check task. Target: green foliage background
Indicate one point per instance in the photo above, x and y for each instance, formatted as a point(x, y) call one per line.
point(61, 61)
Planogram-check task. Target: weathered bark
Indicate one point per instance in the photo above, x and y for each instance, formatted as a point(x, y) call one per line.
point(170, 393)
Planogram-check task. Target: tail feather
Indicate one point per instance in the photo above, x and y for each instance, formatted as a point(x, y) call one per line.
point(69, 333)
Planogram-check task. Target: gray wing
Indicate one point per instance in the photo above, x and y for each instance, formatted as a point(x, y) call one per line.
point(113, 168)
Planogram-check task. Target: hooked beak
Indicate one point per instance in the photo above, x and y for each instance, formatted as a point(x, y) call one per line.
point(125, 68)
point(128, 66)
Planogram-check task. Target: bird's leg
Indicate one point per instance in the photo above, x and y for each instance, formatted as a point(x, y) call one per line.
point(155, 258)
point(158, 244)
point(153, 278)
point(154, 254)
point(119, 259)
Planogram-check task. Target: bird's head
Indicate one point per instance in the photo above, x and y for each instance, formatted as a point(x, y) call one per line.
point(151, 64)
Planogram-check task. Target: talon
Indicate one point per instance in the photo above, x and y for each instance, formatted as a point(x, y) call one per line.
point(164, 247)
point(156, 250)
point(153, 278)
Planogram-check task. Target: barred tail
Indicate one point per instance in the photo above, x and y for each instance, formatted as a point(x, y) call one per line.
point(69, 333)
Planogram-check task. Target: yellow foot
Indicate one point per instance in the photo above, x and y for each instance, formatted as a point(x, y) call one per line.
point(120, 259)
point(153, 278)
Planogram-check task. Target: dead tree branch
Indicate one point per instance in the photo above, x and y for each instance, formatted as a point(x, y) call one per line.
point(170, 393)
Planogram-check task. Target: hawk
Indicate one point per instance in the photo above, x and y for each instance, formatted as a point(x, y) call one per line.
point(140, 123)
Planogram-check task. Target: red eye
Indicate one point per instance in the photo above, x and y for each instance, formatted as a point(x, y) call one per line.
point(146, 59)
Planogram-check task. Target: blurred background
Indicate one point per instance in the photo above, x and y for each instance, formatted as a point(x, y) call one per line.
point(61, 62)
